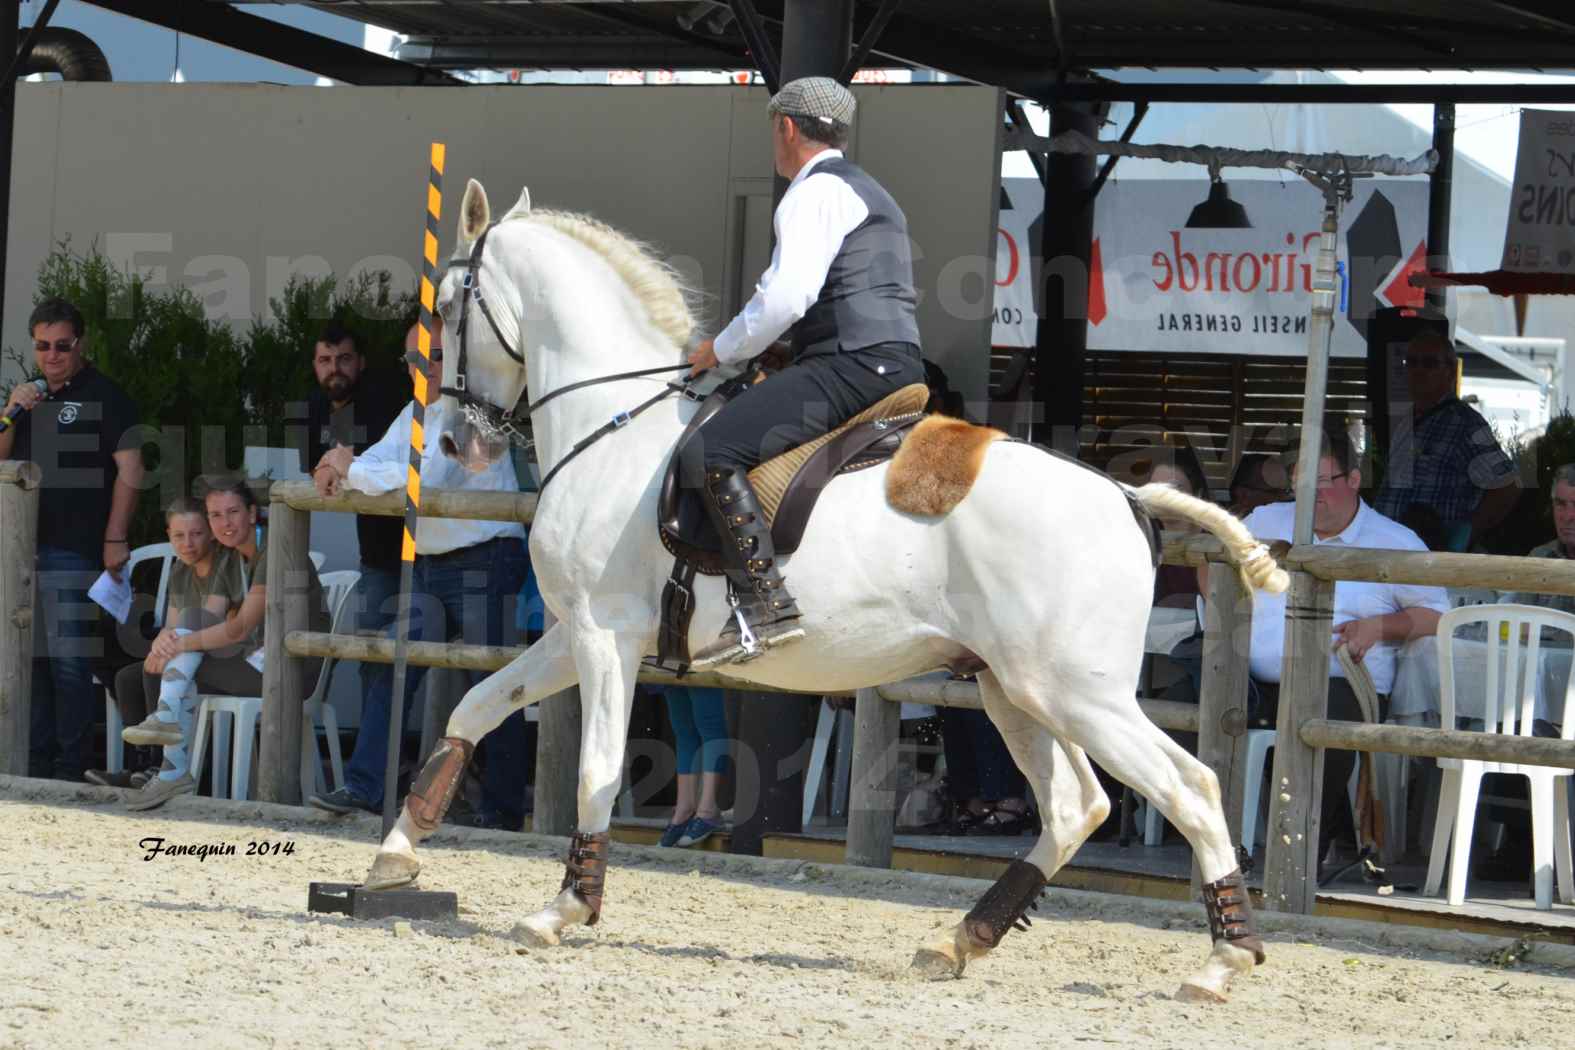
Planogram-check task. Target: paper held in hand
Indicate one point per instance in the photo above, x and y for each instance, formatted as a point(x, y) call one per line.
point(113, 595)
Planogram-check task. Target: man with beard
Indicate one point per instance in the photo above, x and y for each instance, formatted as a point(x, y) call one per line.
point(351, 408)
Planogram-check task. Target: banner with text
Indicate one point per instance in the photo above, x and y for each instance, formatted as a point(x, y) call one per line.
point(1166, 276)
point(1540, 237)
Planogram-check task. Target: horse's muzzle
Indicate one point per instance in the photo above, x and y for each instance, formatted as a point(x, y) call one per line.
point(469, 446)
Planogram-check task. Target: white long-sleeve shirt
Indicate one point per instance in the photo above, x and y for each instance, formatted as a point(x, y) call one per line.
point(383, 468)
point(817, 212)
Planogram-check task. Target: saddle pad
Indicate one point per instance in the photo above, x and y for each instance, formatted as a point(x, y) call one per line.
point(771, 478)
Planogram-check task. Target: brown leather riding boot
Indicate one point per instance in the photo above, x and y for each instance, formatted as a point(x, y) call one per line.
point(765, 615)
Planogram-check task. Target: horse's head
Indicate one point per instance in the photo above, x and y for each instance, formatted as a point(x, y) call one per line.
point(484, 373)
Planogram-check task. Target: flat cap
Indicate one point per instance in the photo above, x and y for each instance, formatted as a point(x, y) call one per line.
point(817, 98)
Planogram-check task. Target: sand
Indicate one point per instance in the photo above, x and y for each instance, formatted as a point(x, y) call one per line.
point(100, 947)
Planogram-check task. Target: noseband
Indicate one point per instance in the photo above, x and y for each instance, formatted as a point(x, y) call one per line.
point(489, 418)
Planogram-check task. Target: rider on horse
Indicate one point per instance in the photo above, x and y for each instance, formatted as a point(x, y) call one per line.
point(840, 284)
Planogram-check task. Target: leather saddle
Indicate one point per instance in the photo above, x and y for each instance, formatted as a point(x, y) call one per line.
point(789, 485)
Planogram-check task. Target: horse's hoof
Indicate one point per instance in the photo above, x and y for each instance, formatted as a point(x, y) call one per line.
point(391, 870)
point(1195, 993)
point(932, 965)
point(533, 935)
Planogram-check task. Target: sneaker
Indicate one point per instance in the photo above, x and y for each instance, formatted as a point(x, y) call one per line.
point(104, 778)
point(697, 831)
point(671, 834)
point(158, 791)
point(343, 800)
point(140, 779)
point(151, 731)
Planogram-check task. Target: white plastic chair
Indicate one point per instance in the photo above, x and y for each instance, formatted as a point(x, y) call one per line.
point(1514, 646)
point(841, 723)
point(114, 747)
point(244, 712)
point(316, 711)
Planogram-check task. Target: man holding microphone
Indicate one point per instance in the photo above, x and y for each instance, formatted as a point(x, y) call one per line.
point(77, 427)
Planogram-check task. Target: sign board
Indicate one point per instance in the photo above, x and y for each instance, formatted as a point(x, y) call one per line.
point(1160, 282)
point(1540, 237)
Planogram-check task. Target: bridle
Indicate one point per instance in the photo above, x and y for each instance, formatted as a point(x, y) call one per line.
point(489, 418)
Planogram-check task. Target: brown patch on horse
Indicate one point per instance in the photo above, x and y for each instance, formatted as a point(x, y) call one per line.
point(937, 464)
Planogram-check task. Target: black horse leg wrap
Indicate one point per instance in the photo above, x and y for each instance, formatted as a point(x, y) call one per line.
point(1004, 905)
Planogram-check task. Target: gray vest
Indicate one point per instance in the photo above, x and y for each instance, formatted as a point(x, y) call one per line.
point(868, 297)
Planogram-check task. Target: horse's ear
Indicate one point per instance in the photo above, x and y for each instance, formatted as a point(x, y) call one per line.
point(474, 213)
point(522, 206)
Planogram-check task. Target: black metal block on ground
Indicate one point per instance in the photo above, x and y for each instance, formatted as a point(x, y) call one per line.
point(358, 902)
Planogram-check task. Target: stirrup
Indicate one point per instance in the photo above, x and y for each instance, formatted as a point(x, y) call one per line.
point(730, 650)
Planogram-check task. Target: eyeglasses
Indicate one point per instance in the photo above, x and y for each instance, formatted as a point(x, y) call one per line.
point(59, 346)
point(1325, 482)
point(413, 358)
point(1430, 361)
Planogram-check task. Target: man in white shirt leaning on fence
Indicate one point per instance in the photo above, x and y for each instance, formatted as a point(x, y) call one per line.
point(463, 568)
point(1373, 620)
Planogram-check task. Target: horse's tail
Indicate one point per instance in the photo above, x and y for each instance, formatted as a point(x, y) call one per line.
point(1253, 560)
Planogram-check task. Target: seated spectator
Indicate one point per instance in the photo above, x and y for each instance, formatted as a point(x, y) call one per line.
point(700, 728)
point(1444, 455)
point(229, 647)
point(1429, 528)
point(156, 697)
point(1259, 479)
point(987, 789)
point(1371, 619)
point(1562, 545)
point(1176, 586)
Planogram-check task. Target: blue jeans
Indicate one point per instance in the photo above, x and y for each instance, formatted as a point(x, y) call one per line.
point(376, 603)
point(469, 594)
point(699, 728)
point(65, 641)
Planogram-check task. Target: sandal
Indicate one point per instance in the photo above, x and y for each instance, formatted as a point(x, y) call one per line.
point(1002, 821)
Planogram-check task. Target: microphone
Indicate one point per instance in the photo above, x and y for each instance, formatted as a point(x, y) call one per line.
point(8, 420)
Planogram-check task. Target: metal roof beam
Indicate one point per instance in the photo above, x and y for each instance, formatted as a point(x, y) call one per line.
point(287, 45)
point(1319, 94)
point(565, 53)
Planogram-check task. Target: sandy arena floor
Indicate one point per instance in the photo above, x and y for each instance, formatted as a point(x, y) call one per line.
point(101, 948)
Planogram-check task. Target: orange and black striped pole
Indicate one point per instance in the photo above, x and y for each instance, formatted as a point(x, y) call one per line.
point(407, 550)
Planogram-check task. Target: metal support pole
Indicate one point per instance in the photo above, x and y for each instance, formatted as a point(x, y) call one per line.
point(1066, 245)
point(1440, 191)
point(774, 731)
point(1319, 334)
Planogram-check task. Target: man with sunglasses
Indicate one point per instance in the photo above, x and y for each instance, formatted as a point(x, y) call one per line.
point(1443, 455)
point(466, 584)
point(350, 409)
point(79, 428)
point(1372, 620)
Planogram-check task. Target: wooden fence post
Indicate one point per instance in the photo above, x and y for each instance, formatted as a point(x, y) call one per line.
point(1222, 700)
point(18, 557)
point(279, 750)
point(872, 804)
point(1291, 873)
point(558, 723)
point(557, 806)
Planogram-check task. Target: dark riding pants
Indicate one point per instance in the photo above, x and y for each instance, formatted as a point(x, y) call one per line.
point(810, 397)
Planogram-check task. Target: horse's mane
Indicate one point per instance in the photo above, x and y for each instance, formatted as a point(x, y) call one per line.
point(653, 282)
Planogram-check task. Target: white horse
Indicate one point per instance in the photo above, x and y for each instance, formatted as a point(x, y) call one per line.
point(1043, 572)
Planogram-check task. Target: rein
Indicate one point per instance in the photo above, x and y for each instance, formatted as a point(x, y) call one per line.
point(485, 415)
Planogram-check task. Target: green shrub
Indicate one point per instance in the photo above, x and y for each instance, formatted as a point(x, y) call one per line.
point(204, 389)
